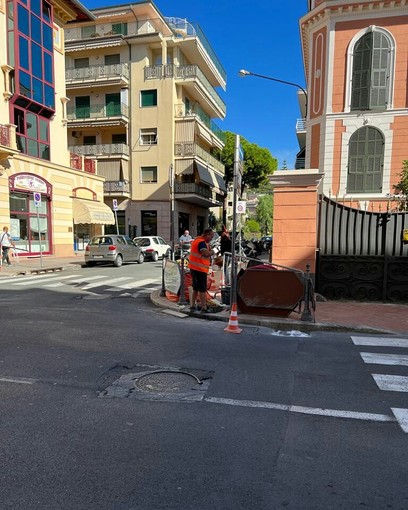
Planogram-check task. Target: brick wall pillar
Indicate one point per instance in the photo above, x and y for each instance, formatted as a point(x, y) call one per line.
point(295, 218)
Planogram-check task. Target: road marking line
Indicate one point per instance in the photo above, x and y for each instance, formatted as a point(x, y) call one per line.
point(402, 417)
point(391, 382)
point(133, 285)
point(104, 282)
point(40, 280)
point(335, 413)
point(384, 359)
point(18, 380)
point(380, 342)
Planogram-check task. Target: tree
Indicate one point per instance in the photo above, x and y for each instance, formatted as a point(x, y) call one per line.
point(264, 213)
point(402, 186)
point(250, 228)
point(284, 165)
point(258, 165)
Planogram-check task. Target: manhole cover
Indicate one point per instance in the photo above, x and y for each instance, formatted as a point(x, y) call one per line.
point(166, 382)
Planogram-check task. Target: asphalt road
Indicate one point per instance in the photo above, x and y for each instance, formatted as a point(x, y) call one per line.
point(282, 422)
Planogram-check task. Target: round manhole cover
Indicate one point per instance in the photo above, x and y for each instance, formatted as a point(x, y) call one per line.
point(166, 382)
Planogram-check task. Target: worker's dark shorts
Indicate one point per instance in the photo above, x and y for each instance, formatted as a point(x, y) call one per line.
point(199, 280)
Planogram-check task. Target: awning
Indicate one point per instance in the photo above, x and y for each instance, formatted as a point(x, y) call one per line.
point(88, 211)
point(220, 182)
point(204, 174)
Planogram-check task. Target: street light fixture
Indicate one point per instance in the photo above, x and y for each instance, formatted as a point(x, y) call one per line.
point(244, 72)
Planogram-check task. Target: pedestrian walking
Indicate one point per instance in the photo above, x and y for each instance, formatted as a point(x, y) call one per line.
point(199, 263)
point(6, 243)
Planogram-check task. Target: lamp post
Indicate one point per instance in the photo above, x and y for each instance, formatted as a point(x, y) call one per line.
point(172, 208)
point(244, 72)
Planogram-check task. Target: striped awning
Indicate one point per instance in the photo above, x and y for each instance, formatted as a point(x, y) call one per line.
point(88, 211)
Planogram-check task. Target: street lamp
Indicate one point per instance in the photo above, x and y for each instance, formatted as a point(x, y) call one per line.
point(244, 72)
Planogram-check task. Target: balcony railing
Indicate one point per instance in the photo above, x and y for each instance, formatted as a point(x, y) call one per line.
point(5, 140)
point(185, 72)
point(182, 28)
point(97, 111)
point(116, 187)
point(191, 149)
point(106, 149)
point(300, 125)
point(197, 111)
point(97, 73)
point(191, 187)
point(80, 163)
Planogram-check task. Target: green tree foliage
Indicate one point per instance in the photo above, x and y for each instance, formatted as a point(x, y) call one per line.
point(402, 186)
point(251, 229)
point(264, 213)
point(259, 163)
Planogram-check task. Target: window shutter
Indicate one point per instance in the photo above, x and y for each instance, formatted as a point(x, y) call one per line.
point(379, 71)
point(361, 73)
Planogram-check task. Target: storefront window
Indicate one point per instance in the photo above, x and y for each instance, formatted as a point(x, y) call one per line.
point(149, 223)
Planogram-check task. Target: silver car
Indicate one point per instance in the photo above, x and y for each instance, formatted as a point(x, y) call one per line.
point(115, 249)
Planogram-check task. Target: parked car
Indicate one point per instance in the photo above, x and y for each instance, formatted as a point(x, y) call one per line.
point(116, 249)
point(153, 247)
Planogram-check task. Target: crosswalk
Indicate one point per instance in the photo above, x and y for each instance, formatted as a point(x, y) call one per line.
point(89, 284)
point(393, 362)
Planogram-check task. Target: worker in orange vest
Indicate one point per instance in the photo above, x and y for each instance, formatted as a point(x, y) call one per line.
point(199, 263)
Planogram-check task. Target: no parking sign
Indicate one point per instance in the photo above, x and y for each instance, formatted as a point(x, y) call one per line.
point(241, 207)
point(37, 199)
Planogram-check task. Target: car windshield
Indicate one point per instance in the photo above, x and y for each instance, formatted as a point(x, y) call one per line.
point(101, 240)
point(142, 242)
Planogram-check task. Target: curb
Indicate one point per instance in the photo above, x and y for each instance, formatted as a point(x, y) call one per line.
point(268, 322)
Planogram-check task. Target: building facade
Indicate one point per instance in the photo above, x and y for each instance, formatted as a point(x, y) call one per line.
point(42, 187)
point(357, 125)
point(142, 92)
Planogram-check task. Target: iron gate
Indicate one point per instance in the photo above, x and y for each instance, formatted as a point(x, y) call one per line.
point(361, 255)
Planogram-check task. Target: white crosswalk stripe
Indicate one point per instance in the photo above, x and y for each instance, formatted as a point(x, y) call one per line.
point(388, 382)
point(84, 283)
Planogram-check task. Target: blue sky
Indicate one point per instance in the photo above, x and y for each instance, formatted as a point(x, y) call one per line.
point(261, 36)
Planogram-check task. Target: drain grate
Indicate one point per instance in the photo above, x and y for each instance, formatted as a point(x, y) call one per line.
point(166, 384)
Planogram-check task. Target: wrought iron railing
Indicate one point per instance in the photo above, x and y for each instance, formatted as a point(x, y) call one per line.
point(97, 111)
point(300, 125)
point(104, 149)
point(116, 187)
point(185, 72)
point(4, 136)
point(191, 149)
point(97, 72)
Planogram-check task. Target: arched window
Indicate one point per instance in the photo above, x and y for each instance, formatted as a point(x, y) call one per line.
point(365, 162)
point(371, 75)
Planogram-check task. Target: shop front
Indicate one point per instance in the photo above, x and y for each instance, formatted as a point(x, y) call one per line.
point(89, 216)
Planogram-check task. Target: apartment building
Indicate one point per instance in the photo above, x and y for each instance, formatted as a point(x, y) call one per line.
point(45, 193)
point(356, 67)
point(143, 94)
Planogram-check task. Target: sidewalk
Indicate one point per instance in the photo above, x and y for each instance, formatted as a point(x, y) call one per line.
point(363, 318)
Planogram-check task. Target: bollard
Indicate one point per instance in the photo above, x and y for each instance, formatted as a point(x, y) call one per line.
point(182, 298)
point(306, 314)
point(163, 285)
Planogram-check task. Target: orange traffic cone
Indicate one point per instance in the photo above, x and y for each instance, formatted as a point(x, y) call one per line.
point(233, 321)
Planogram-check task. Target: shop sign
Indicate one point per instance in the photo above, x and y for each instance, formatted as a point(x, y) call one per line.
point(30, 182)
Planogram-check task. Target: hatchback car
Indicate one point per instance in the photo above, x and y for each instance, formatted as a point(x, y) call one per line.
point(116, 249)
point(153, 247)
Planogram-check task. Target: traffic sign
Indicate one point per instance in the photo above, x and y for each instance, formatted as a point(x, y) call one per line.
point(114, 204)
point(37, 199)
point(241, 207)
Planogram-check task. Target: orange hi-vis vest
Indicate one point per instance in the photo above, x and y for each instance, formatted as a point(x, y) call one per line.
point(195, 260)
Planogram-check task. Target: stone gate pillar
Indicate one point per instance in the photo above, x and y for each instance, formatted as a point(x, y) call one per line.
point(295, 218)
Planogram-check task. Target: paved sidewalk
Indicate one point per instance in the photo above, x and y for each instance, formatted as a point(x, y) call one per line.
point(375, 318)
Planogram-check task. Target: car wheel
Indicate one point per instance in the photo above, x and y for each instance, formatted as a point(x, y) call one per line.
point(155, 256)
point(140, 259)
point(118, 261)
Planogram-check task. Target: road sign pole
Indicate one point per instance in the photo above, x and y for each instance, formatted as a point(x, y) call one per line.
point(37, 205)
point(115, 208)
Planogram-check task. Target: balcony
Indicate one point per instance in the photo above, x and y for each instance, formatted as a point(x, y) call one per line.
point(8, 146)
point(192, 32)
point(197, 194)
point(83, 164)
point(301, 132)
point(97, 115)
point(115, 74)
point(116, 188)
point(193, 79)
point(216, 135)
point(101, 150)
point(192, 150)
